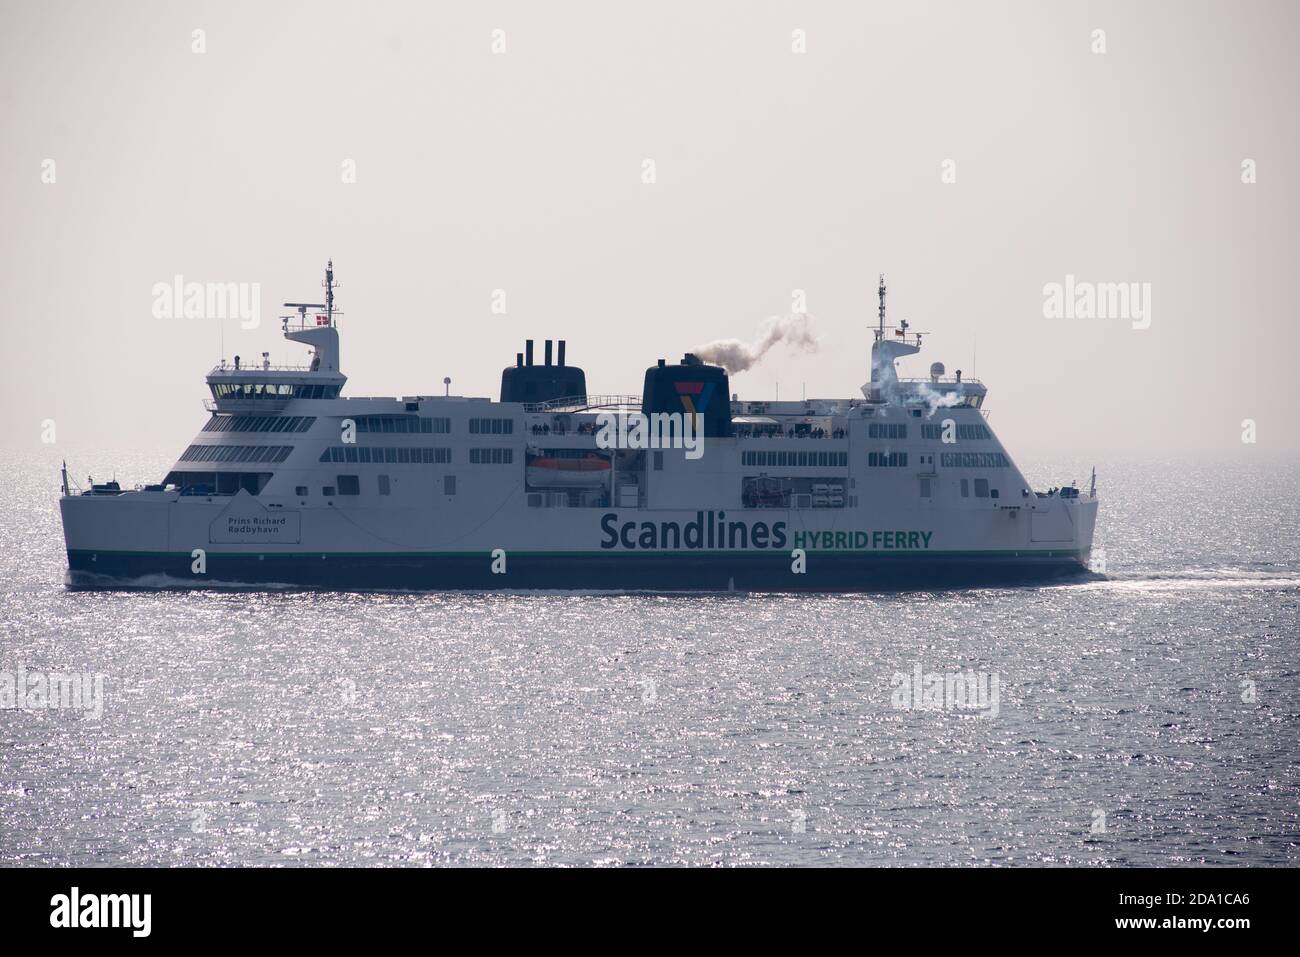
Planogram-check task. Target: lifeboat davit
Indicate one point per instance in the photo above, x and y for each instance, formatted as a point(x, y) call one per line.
point(590, 471)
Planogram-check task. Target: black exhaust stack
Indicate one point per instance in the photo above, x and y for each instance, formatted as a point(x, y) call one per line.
point(692, 388)
point(525, 382)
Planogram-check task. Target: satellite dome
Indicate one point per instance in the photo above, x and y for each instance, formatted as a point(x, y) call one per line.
point(936, 370)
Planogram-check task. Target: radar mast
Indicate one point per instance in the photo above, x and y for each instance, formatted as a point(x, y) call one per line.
point(880, 330)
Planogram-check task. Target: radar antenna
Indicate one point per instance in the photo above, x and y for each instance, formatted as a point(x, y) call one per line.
point(328, 305)
point(880, 330)
point(329, 290)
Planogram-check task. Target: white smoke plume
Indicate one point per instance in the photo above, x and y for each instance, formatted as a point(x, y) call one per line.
point(936, 400)
point(735, 356)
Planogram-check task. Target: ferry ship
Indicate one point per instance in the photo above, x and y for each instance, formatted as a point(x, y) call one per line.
point(290, 482)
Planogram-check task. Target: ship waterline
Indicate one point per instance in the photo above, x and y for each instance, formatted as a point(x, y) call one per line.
point(292, 483)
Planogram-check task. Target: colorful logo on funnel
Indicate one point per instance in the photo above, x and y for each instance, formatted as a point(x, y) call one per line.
point(695, 396)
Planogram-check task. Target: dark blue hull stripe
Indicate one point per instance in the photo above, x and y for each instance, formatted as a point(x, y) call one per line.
point(618, 571)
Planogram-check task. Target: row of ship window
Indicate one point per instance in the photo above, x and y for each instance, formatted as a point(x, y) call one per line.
point(796, 459)
point(259, 423)
point(948, 460)
point(403, 455)
point(433, 455)
point(236, 453)
point(400, 454)
point(491, 426)
point(952, 460)
point(898, 430)
point(437, 425)
point(965, 431)
point(402, 423)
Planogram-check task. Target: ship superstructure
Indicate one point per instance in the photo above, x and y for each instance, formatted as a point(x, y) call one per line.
point(291, 482)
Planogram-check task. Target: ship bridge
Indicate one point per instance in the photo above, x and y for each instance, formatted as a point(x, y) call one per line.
point(262, 387)
point(939, 390)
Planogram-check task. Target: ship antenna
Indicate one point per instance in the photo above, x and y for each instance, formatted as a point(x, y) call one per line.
point(880, 331)
point(329, 290)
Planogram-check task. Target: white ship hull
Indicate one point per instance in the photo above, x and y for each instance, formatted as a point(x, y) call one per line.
point(450, 543)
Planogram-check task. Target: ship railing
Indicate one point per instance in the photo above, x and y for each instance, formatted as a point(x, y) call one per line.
point(584, 403)
point(296, 324)
point(942, 380)
point(227, 368)
point(834, 434)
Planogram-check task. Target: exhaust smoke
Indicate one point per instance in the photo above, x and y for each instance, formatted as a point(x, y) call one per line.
point(736, 356)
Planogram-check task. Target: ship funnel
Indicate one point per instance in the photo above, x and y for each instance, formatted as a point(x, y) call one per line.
point(539, 384)
point(691, 388)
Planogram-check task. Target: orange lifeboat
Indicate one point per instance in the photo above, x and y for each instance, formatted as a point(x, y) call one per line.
point(590, 471)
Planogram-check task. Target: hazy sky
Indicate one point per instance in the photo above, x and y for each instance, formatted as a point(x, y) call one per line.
point(775, 171)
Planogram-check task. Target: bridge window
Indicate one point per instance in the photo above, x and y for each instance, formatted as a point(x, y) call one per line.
point(316, 391)
point(252, 391)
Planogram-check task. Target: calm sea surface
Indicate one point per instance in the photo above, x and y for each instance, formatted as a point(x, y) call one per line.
point(1147, 718)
